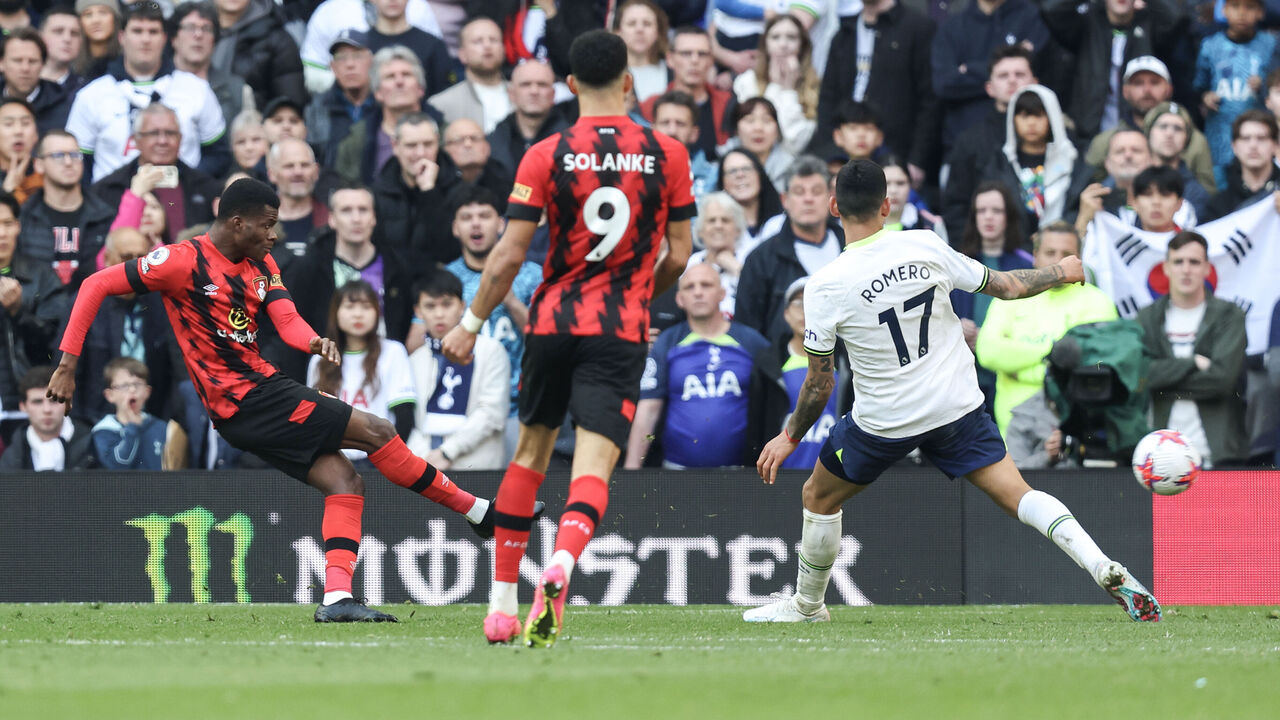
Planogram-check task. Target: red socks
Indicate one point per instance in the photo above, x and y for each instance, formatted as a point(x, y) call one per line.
point(588, 498)
point(402, 467)
point(513, 519)
point(341, 531)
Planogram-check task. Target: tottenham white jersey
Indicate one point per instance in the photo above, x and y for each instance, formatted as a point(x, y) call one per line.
point(334, 16)
point(102, 117)
point(888, 298)
point(394, 384)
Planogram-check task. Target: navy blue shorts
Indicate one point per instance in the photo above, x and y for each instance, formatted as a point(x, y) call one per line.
point(957, 448)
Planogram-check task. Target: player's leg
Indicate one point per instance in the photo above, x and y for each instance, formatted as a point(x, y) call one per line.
point(850, 460)
point(605, 387)
point(1004, 484)
point(343, 489)
point(397, 462)
point(516, 508)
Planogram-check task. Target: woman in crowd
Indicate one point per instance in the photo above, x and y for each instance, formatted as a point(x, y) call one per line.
point(248, 142)
point(903, 214)
point(642, 25)
point(743, 177)
point(721, 228)
point(784, 76)
point(756, 130)
point(993, 237)
point(139, 207)
point(99, 20)
point(375, 375)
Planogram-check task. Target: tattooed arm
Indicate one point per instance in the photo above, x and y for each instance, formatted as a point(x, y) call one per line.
point(1014, 284)
point(817, 387)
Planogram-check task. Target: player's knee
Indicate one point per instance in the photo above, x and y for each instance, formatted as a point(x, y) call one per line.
point(381, 431)
point(352, 484)
point(818, 500)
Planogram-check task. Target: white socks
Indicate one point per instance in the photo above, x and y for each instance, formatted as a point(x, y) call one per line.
point(502, 598)
point(819, 545)
point(477, 511)
point(502, 595)
point(334, 596)
point(1047, 514)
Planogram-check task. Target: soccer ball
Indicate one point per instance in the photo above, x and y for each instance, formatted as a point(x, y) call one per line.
point(1165, 463)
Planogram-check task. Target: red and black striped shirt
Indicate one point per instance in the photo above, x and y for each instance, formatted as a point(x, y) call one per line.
point(609, 187)
point(213, 306)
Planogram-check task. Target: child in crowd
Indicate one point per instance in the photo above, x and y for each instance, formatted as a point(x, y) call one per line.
point(461, 409)
point(1229, 73)
point(794, 367)
point(1157, 203)
point(858, 131)
point(374, 375)
point(130, 439)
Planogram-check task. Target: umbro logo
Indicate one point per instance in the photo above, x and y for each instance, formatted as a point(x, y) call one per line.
point(211, 290)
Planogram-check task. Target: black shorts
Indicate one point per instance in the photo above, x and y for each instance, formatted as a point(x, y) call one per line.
point(287, 424)
point(595, 378)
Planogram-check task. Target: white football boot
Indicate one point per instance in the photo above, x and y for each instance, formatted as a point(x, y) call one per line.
point(785, 610)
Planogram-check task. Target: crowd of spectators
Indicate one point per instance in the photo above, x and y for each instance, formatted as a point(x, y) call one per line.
point(391, 130)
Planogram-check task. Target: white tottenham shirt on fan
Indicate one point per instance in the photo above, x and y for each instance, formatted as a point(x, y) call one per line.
point(1180, 326)
point(887, 297)
point(394, 383)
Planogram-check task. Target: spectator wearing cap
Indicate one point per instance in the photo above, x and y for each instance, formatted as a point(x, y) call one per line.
point(391, 27)
point(1229, 73)
point(1169, 131)
point(334, 16)
point(103, 112)
point(24, 57)
point(398, 88)
point(534, 115)
point(331, 114)
point(1105, 36)
point(159, 137)
point(699, 393)
point(100, 20)
point(962, 49)
point(254, 45)
point(1147, 84)
point(193, 28)
point(482, 94)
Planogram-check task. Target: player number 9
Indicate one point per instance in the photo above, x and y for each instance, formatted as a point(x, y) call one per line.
point(613, 227)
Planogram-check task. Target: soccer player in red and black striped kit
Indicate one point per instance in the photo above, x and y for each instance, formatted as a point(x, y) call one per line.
point(611, 190)
point(213, 288)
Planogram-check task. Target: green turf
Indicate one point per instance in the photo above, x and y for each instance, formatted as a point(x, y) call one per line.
point(271, 661)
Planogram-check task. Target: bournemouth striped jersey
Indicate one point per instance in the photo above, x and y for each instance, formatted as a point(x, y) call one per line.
point(609, 187)
point(213, 306)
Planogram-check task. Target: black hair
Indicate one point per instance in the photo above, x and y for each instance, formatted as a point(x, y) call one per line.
point(34, 379)
point(768, 203)
point(597, 58)
point(1029, 103)
point(437, 283)
point(1164, 180)
point(852, 112)
point(469, 194)
point(17, 101)
point(1004, 52)
point(748, 106)
point(143, 10)
point(246, 198)
point(58, 10)
point(1186, 237)
point(31, 35)
point(205, 10)
point(860, 189)
point(677, 97)
point(11, 202)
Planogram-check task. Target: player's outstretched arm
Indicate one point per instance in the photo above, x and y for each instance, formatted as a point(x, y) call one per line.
point(819, 381)
point(1015, 284)
point(499, 272)
point(109, 281)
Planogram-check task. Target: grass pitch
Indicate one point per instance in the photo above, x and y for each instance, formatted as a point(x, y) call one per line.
point(272, 661)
